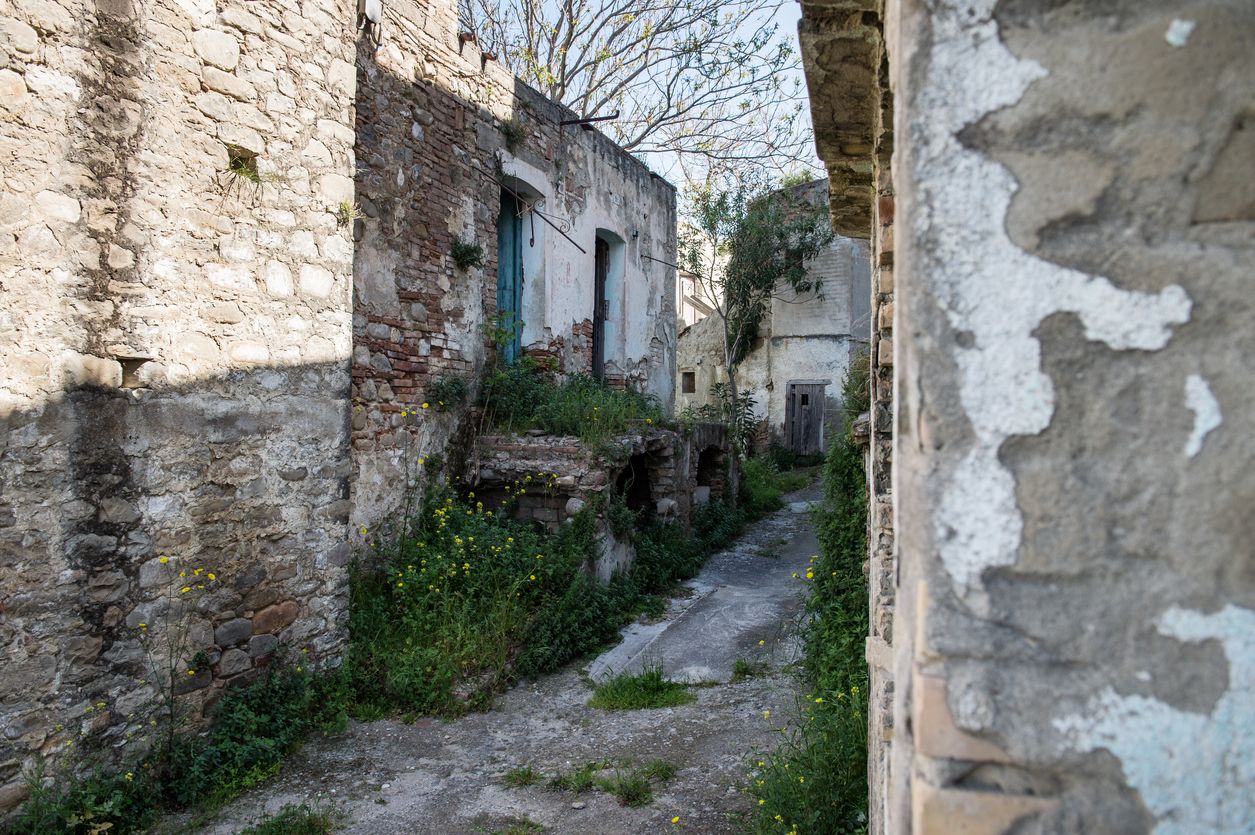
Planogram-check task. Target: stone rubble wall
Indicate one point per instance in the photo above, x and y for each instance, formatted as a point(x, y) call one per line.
point(173, 350)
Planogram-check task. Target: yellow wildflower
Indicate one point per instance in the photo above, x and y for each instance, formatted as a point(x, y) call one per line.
point(185, 589)
point(163, 560)
point(426, 405)
point(820, 700)
point(191, 672)
point(676, 819)
point(130, 776)
point(212, 576)
point(762, 643)
point(761, 802)
point(143, 626)
point(532, 577)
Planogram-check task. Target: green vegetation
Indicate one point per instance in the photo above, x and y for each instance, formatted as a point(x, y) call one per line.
point(520, 826)
point(514, 132)
point(253, 729)
point(648, 689)
point(525, 396)
point(816, 782)
point(466, 254)
point(521, 776)
point(631, 789)
point(660, 770)
point(296, 819)
point(582, 779)
point(447, 391)
point(743, 669)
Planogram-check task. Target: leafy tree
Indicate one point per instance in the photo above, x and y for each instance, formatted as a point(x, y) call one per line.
point(749, 246)
point(714, 83)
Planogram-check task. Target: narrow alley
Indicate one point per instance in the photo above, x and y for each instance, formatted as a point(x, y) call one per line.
point(452, 776)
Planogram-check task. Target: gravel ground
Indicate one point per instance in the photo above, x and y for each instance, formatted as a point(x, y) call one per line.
point(436, 776)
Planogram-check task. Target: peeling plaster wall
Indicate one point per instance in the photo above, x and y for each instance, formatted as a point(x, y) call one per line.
point(1072, 642)
point(429, 136)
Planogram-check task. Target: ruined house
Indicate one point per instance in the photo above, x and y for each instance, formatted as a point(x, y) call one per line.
point(1061, 213)
point(245, 247)
point(796, 365)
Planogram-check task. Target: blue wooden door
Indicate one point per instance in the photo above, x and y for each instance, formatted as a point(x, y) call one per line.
point(510, 273)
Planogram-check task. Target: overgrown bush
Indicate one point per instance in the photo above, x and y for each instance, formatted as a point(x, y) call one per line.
point(116, 802)
point(523, 396)
point(816, 782)
point(447, 391)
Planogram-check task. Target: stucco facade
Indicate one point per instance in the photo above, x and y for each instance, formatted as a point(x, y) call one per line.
point(1050, 190)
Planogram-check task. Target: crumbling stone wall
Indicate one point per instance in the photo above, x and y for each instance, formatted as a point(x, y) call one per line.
point(432, 156)
point(173, 349)
point(1072, 613)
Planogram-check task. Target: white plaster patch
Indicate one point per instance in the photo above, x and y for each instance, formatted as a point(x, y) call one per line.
point(1179, 32)
point(994, 290)
point(1206, 409)
point(1194, 771)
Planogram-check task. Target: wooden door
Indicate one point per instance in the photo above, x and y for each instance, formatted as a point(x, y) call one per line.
point(601, 266)
point(804, 418)
point(510, 273)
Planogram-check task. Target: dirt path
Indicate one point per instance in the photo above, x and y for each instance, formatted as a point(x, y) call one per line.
point(447, 777)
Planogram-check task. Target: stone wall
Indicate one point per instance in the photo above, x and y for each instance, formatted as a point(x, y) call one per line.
point(1070, 591)
point(226, 294)
point(173, 350)
point(433, 152)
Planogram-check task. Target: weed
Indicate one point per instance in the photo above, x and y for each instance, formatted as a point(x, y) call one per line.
point(447, 391)
point(645, 690)
point(243, 164)
point(520, 826)
point(466, 254)
point(514, 132)
point(743, 669)
point(632, 789)
point(816, 781)
point(524, 396)
point(347, 212)
point(659, 770)
point(121, 802)
point(301, 819)
point(580, 780)
point(521, 776)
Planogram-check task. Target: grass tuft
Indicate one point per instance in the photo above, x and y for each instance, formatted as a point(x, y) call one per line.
point(643, 691)
point(631, 789)
point(743, 669)
point(296, 819)
point(659, 770)
point(580, 780)
point(522, 776)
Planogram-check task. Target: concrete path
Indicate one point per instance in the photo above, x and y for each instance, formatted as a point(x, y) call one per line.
point(447, 777)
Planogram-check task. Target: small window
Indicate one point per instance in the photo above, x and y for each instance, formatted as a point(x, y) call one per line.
point(806, 399)
point(688, 382)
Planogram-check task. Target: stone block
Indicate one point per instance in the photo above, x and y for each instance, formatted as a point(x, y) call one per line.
point(939, 811)
point(87, 370)
point(21, 37)
point(220, 49)
point(56, 206)
point(228, 84)
point(936, 734)
point(234, 631)
point(261, 645)
point(276, 617)
point(234, 662)
point(316, 281)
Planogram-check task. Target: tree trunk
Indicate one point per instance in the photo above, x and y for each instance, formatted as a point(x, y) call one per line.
point(732, 495)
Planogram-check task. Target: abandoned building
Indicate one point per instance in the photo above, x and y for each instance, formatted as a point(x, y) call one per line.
point(244, 250)
point(1061, 211)
point(796, 365)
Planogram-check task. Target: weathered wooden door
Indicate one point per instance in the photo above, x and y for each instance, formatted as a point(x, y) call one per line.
point(804, 418)
point(601, 266)
point(510, 273)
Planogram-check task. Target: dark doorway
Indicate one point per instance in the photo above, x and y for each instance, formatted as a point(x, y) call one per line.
point(510, 273)
point(804, 418)
point(601, 268)
point(633, 485)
